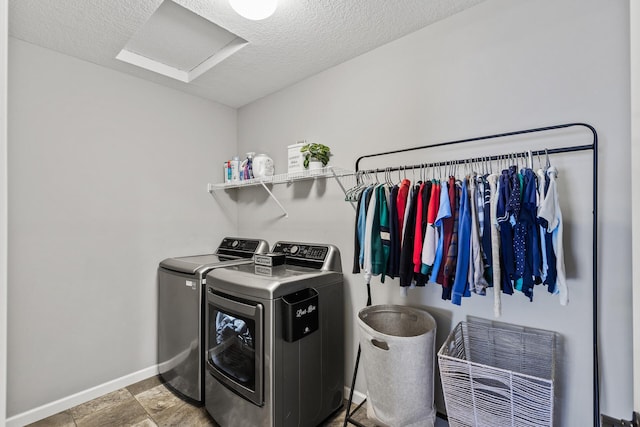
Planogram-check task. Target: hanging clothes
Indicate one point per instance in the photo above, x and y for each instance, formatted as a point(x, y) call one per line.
point(424, 194)
point(550, 260)
point(495, 230)
point(444, 212)
point(370, 236)
point(406, 254)
point(542, 224)
point(493, 180)
point(381, 244)
point(550, 211)
point(476, 265)
point(461, 285)
point(393, 264)
point(403, 193)
point(362, 219)
point(485, 229)
point(455, 193)
point(504, 217)
point(528, 229)
point(447, 228)
point(430, 241)
point(356, 239)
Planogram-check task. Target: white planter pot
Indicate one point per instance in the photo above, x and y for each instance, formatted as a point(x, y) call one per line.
point(315, 167)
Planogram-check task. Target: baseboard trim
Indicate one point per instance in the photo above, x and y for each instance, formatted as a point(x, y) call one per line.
point(79, 398)
point(358, 397)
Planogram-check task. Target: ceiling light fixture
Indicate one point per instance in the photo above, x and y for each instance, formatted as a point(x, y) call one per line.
point(254, 9)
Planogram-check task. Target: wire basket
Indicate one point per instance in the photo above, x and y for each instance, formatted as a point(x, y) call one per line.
point(494, 376)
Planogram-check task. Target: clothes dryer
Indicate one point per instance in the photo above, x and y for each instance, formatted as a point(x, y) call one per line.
point(275, 338)
point(181, 285)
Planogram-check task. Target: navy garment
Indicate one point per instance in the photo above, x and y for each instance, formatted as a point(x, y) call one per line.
point(552, 272)
point(406, 253)
point(393, 265)
point(486, 232)
point(506, 234)
point(528, 223)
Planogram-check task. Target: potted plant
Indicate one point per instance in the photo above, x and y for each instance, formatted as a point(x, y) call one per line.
point(316, 156)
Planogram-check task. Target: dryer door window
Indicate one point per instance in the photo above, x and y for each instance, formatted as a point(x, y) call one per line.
point(235, 345)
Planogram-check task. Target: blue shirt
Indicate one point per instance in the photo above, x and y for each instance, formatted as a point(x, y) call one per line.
point(461, 284)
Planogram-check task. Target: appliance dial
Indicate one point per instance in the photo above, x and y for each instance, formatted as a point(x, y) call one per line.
point(293, 250)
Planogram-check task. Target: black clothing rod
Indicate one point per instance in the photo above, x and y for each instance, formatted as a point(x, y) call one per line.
point(509, 156)
point(594, 147)
point(482, 138)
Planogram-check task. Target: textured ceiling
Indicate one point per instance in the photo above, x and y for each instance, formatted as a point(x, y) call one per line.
point(302, 38)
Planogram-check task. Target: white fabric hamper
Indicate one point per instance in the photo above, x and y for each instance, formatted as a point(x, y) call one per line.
point(398, 356)
point(498, 375)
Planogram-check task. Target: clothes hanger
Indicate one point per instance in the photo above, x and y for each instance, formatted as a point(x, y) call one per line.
point(548, 164)
point(389, 179)
point(352, 193)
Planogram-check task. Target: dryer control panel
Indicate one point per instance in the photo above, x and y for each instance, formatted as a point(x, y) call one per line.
point(300, 250)
point(321, 257)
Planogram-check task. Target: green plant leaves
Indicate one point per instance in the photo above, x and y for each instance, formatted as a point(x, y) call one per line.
point(314, 151)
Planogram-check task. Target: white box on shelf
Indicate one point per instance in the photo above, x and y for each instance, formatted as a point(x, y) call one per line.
point(295, 158)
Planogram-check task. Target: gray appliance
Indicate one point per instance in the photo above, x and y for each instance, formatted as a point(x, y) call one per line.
point(181, 286)
point(275, 338)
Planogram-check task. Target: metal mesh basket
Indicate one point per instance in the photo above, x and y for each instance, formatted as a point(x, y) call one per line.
point(495, 376)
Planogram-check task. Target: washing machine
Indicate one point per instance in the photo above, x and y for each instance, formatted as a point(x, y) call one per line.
point(275, 338)
point(181, 286)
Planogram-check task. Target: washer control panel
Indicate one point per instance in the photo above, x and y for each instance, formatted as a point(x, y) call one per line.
point(243, 248)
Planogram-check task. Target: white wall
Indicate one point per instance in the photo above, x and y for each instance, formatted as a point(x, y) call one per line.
point(635, 159)
point(107, 176)
point(500, 66)
point(4, 29)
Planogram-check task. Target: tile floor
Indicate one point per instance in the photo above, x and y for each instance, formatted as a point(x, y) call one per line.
point(149, 403)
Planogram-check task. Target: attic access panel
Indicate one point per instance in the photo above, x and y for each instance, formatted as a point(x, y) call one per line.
point(179, 43)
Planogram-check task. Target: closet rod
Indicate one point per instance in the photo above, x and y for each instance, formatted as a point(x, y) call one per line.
point(509, 156)
point(594, 147)
point(482, 138)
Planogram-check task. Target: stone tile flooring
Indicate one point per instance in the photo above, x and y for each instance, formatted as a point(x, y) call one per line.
point(149, 403)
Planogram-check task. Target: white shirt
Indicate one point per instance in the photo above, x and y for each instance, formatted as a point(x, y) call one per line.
point(550, 210)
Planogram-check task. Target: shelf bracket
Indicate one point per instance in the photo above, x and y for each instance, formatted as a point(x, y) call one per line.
point(333, 173)
point(284, 178)
point(275, 199)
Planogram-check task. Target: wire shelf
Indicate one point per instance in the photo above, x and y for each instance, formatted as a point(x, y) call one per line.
point(284, 178)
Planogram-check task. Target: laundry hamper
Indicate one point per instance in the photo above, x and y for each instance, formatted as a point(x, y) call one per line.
point(495, 375)
point(398, 356)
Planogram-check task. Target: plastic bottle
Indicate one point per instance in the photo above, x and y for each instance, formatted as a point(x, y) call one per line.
point(227, 171)
point(248, 169)
point(235, 169)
